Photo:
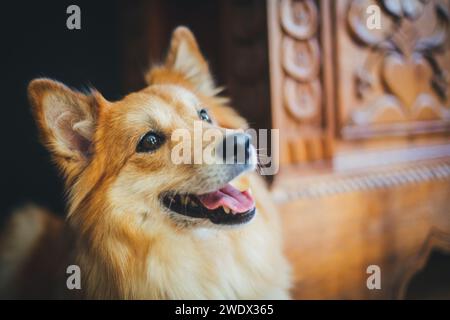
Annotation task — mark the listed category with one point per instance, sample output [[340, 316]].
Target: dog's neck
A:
[[119, 258]]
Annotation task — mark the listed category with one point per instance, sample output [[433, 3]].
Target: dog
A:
[[139, 226]]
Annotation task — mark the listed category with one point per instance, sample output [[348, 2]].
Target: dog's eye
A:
[[203, 114], [150, 142]]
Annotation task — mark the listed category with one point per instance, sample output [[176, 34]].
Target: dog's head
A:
[[145, 154]]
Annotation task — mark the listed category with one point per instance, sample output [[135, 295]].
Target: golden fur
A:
[[116, 231]]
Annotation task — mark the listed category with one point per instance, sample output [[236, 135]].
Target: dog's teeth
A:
[[193, 203], [227, 210], [233, 212]]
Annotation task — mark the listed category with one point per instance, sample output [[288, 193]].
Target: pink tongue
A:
[[229, 197]]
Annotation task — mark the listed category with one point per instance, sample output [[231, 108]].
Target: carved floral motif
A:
[[404, 62]]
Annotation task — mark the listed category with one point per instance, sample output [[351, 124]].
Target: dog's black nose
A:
[[236, 148]]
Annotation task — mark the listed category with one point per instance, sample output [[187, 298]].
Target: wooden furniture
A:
[[365, 167], [364, 119]]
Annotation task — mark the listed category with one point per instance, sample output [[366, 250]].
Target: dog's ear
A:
[[184, 58], [66, 120]]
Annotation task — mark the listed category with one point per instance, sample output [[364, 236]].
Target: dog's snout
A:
[[236, 148]]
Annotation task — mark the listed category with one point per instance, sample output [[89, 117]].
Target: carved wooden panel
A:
[[332, 239], [393, 80], [298, 79], [364, 119]]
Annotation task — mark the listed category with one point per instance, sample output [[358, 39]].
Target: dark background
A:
[[36, 43]]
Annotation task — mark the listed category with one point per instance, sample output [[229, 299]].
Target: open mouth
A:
[[227, 205]]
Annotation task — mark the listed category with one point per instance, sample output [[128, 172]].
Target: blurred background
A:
[[361, 101]]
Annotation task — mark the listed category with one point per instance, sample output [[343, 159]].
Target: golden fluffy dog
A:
[[140, 226]]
